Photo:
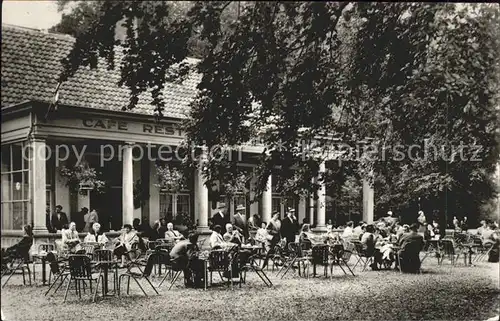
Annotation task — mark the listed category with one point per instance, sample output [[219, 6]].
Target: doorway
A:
[[109, 208]]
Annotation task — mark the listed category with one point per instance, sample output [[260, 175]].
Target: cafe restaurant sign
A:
[[164, 128]]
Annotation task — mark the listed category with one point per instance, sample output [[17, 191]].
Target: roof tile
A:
[[31, 66]]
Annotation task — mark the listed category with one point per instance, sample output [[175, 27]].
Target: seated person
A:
[[19, 250], [307, 236], [262, 237], [95, 235], [358, 230], [331, 236], [182, 259], [490, 237], [172, 234], [154, 232], [411, 244], [232, 235], [216, 239], [70, 238], [368, 241], [304, 236], [347, 234], [124, 243], [405, 229]]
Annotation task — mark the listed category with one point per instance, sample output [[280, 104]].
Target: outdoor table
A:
[[105, 265], [43, 258]]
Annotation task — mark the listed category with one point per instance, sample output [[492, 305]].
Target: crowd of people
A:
[[384, 240]]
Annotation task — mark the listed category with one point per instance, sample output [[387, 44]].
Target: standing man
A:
[[220, 218], [240, 221], [48, 224], [90, 220], [59, 219], [289, 226]]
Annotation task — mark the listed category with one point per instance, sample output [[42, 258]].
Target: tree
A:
[[319, 72]]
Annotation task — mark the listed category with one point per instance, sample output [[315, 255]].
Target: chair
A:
[[220, 261], [163, 251], [43, 247], [90, 247], [57, 269], [364, 258], [144, 273], [321, 256], [251, 265], [20, 262], [483, 251], [102, 259], [341, 254], [411, 251], [278, 257], [295, 255], [448, 250], [80, 270]]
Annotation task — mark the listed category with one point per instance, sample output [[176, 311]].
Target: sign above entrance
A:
[[166, 129]]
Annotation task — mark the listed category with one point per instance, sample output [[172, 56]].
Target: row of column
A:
[[202, 208]]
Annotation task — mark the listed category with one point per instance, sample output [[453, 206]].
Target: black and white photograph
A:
[[250, 160]]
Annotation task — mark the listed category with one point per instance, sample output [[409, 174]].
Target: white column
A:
[[154, 194], [302, 209], [62, 195], [201, 195], [38, 183], [321, 202], [267, 201], [128, 185], [311, 210], [254, 207], [136, 170], [368, 201]]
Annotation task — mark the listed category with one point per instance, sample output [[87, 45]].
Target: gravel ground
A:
[[439, 293]]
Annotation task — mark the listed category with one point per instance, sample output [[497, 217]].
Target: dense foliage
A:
[[297, 73]]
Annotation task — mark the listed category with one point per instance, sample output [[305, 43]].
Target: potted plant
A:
[[170, 178], [81, 178]]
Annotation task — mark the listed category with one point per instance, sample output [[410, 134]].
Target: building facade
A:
[[47, 126]]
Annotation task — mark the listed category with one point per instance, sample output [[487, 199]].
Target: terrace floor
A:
[[439, 293]]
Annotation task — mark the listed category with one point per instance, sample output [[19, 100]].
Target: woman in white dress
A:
[[124, 243], [95, 235]]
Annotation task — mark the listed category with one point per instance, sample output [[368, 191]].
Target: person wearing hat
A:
[[240, 221], [221, 218], [59, 219], [289, 226]]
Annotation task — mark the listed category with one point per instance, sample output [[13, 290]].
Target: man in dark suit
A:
[[289, 226], [411, 244], [221, 218], [59, 219], [240, 221]]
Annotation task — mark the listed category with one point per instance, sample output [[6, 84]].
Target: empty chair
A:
[[321, 256], [143, 272], [58, 269], [80, 270]]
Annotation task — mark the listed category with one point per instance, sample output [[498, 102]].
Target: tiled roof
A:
[[31, 66]]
